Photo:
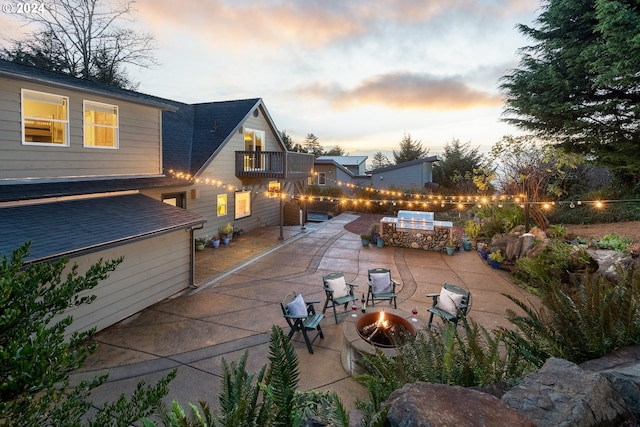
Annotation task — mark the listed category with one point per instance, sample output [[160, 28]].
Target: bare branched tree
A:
[[86, 39]]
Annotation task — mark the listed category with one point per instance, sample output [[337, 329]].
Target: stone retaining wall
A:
[[429, 240]]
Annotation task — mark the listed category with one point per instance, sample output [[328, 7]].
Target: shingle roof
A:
[[38, 75], [80, 226], [194, 133]]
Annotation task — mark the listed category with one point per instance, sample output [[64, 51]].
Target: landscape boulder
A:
[[426, 404], [563, 394], [622, 368]]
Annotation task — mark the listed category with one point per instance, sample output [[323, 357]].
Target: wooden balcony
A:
[[273, 164]]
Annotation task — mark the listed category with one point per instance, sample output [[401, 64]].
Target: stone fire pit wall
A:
[[421, 232]]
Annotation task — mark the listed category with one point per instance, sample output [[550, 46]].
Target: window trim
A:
[[65, 99], [219, 205], [324, 176], [239, 214], [95, 125]]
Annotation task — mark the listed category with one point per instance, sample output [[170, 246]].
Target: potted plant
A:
[[365, 238], [451, 246], [484, 251], [472, 231], [227, 232], [374, 233], [215, 241], [201, 242], [495, 259]]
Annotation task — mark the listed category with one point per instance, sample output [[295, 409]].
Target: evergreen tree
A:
[[409, 150], [312, 145], [336, 151], [578, 83], [379, 160], [455, 171]]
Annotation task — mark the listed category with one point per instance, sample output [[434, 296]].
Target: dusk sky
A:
[[358, 74]]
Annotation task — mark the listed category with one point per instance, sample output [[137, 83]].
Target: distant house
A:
[[74, 158], [234, 163], [354, 164], [416, 174]]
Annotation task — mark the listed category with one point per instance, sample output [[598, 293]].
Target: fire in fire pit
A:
[[384, 329]]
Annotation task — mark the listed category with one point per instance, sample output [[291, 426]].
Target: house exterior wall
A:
[[139, 151], [265, 211], [152, 270], [413, 176]]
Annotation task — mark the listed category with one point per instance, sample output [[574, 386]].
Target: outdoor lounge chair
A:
[[381, 286], [301, 316], [451, 304], [338, 292]]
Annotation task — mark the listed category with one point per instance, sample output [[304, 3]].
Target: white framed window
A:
[[100, 125], [243, 204], [222, 205], [45, 119], [322, 178]]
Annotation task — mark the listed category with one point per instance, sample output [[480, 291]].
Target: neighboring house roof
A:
[[38, 75], [405, 164], [194, 134], [345, 160], [105, 222], [326, 160]]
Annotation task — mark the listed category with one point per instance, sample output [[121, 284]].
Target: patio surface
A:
[[238, 300]]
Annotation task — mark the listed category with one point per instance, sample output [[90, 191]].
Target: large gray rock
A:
[[563, 394], [424, 404], [609, 260], [622, 368], [527, 242]]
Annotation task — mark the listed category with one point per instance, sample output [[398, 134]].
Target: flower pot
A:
[[451, 251], [494, 264], [200, 247], [365, 242], [225, 240], [466, 245], [216, 243], [484, 255], [380, 242], [374, 238]]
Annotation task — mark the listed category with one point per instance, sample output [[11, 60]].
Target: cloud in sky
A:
[[405, 90], [358, 74]]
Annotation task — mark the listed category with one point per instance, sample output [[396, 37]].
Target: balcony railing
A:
[[273, 164]]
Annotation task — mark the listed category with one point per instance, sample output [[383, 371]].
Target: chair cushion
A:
[[297, 307], [338, 286], [381, 282], [449, 301]]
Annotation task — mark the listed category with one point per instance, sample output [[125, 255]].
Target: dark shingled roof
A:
[[405, 164], [75, 227], [192, 135], [38, 75]]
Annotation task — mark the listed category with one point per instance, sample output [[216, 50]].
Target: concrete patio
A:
[[238, 300]]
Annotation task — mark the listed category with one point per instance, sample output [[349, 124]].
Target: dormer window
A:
[[100, 125], [45, 119]]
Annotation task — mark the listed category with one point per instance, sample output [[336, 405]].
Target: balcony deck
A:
[[273, 164]]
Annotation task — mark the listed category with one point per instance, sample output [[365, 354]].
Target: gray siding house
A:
[[231, 163], [75, 157], [415, 174]]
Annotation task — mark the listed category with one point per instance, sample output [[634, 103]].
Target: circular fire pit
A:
[[353, 344], [384, 329]]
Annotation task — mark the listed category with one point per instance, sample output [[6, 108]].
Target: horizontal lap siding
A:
[[139, 140], [152, 270]]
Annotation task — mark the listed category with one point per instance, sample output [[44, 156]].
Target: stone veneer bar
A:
[[416, 230]]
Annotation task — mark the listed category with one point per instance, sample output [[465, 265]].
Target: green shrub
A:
[[472, 357], [614, 242], [551, 265], [582, 319], [36, 355], [587, 213]]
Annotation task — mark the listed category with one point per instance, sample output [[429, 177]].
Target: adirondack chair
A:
[[338, 292], [381, 286], [301, 317], [451, 304]]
